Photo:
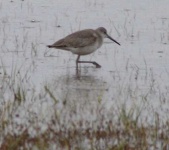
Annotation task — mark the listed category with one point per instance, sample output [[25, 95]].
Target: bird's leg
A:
[[92, 62], [77, 61]]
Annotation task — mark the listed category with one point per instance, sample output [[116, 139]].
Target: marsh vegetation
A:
[[122, 106]]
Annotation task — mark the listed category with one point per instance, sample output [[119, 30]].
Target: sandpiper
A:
[[83, 42]]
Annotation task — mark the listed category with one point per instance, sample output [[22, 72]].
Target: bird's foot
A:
[[92, 62], [96, 64]]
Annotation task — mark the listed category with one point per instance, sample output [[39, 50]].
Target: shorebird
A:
[[83, 42]]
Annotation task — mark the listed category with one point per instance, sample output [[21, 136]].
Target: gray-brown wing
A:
[[78, 39]]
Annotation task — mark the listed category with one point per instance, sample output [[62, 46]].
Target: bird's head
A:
[[103, 32]]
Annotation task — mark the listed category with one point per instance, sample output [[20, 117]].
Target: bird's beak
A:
[[112, 39]]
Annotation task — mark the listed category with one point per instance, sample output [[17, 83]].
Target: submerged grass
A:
[[68, 129], [110, 137], [74, 117], [44, 121]]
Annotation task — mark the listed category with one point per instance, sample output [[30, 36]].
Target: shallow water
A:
[[135, 73]]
